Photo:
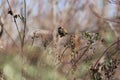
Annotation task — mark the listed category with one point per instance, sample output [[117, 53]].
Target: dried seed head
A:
[[16, 15], [10, 12], [72, 42]]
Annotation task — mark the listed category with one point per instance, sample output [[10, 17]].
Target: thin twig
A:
[[91, 6], [24, 30], [18, 30], [1, 24], [113, 29], [9, 5], [87, 47], [64, 51]]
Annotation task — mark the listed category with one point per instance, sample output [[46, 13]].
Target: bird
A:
[[62, 31]]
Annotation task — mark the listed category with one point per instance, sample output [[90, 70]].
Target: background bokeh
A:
[[101, 16]]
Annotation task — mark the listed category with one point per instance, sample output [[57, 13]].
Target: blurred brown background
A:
[[74, 15]]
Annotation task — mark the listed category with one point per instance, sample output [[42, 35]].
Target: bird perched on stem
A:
[[62, 31]]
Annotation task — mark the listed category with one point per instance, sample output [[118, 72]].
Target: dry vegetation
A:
[[59, 40]]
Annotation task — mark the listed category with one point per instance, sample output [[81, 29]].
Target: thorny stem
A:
[[105, 52], [60, 56], [87, 47], [64, 51], [82, 48]]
